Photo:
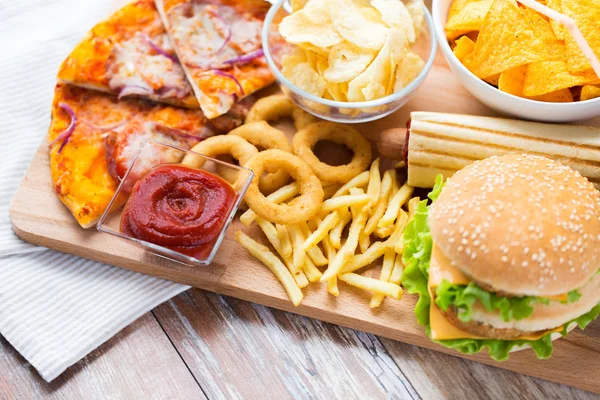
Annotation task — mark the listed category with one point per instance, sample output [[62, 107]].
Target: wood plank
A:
[[236, 349], [139, 362], [40, 218], [440, 376]]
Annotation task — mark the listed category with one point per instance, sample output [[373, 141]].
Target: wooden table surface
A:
[[202, 345]]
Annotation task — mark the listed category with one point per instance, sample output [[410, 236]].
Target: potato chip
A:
[[506, 40], [307, 79], [469, 18], [589, 92], [371, 14], [298, 4], [346, 62], [379, 70], [513, 82], [373, 90], [464, 47], [311, 24], [587, 15], [296, 56], [409, 68], [338, 91], [550, 76], [396, 15], [415, 9], [313, 59], [323, 52], [351, 25]]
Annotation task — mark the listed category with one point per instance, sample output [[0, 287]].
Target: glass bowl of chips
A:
[[384, 90], [555, 87]]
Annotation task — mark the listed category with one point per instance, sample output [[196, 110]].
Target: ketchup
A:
[[179, 208]]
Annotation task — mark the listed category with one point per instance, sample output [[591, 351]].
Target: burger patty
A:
[[482, 329]]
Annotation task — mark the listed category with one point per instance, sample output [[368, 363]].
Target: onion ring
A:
[[214, 146], [261, 134], [279, 106], [305, 140], [301, 208]]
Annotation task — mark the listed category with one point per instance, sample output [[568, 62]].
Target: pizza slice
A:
[[130, 54], [93, 138], [219, 45]]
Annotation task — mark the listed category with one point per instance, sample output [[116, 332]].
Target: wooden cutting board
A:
[[40, 218]]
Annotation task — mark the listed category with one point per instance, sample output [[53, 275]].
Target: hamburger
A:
[[506, 256]]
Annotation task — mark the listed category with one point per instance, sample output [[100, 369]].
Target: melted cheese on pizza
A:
[[80, 171], [117, 56], [209, 38]]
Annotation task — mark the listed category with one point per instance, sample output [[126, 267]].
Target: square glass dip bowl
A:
[[351, 112], [153, 154]]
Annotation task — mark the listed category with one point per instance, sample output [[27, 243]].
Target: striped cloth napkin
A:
[[54, 308]]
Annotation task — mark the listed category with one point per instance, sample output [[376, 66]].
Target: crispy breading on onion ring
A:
[[299, 209], [215, 146], [305, 140], [278, 106], [261, 134]]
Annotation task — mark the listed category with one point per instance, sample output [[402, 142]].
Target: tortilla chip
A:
[[550, 76], [513, 82], [587, 15], [464, 47], [456, 6], [589, 92], [470, 18], [559, 30], [493, 80], [506, 40], [542, 26]]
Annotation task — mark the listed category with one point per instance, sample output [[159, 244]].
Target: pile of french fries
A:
[[358, 223]]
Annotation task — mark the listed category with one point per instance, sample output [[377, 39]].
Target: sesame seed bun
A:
[[520, 224], [544, 317]]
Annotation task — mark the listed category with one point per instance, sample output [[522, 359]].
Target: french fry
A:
[[359, 180], [400, 165], [263, 254], [377, 250], [270, 232], [297, 246], [374, 182], [395, 239], [372, 285], [396, 277], [412, 206], [343, 201], [311, 271], [394, 206], [383, 233], [364, 241], [379, 208], [315, 253], [284, 238], [322, 230], [282, 194], [348, 249], [332, 286], [386, 272], [335, 235]]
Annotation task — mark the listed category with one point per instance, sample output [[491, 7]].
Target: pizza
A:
[[219, 45], [94, 137], [130, 54]]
